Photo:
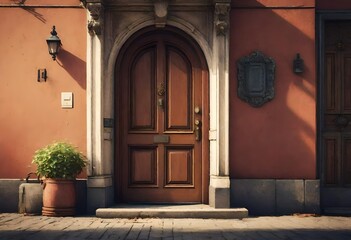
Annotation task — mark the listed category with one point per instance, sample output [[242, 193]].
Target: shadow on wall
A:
[[75, 66], [278, 139], [30, 10]]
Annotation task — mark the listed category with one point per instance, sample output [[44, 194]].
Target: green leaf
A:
[[59, 160]]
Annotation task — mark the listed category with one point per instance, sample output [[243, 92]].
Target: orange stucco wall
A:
[[30, 112], [277, 140], [273, 3]]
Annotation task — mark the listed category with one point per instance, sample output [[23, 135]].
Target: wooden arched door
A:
[[162, 119]]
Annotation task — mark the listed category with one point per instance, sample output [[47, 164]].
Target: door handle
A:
[[161, 90], [161, 103], [197, 130]]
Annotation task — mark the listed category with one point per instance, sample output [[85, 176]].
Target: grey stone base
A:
[[30, 198], [10, 193], [219, 197], [100, 192], [275, 196], [219, 191], [99, 197]]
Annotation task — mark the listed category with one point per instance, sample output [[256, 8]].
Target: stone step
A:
[[170, 211]]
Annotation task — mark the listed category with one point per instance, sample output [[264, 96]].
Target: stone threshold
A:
[[170, 211]]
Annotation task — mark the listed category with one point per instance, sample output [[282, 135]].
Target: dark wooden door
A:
[[336, 126], [162, 104]]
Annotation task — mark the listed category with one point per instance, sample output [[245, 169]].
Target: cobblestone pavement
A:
[[301, 227]]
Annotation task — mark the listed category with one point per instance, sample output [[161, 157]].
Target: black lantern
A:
[[54, 43], [298, 65]]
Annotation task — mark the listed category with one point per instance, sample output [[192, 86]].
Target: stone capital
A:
[[222, 18], [96, 17]]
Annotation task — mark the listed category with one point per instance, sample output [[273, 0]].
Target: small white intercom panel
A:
[[66, 100]]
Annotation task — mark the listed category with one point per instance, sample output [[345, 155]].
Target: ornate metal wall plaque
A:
[[256, 79]]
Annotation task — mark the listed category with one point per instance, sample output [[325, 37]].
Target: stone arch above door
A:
[[110, 24], [189, 29]]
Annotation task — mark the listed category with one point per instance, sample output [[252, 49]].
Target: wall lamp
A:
[[54, 43], [298, 65]]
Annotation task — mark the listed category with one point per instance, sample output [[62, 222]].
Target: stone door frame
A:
[[110, 24]]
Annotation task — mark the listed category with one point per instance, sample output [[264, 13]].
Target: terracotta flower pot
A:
[[59, 197]]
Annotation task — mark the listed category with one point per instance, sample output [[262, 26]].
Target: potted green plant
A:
[[59, 164]]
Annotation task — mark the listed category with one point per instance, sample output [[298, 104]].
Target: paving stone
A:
[[305, 227], [145, 232]]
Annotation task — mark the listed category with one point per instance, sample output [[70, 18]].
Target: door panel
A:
[[142, 166], [331, 90], [179, 81], [332, 159], [142, 92], [179, 166], [346, 167], [160, 80], [347, 83]]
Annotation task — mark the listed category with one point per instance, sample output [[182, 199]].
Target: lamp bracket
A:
[[42, 75]]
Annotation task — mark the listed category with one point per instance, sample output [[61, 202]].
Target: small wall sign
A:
[[66, 100], [256, 79]]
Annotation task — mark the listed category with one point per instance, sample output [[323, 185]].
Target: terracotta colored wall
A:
[[277, 140], [273, 3], [30, 112]]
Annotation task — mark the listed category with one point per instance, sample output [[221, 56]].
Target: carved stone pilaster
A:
[[219, 190], [96, 21], [222, 18], [161, 12]]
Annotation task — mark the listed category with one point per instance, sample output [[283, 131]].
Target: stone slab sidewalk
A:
[[301, 227]]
